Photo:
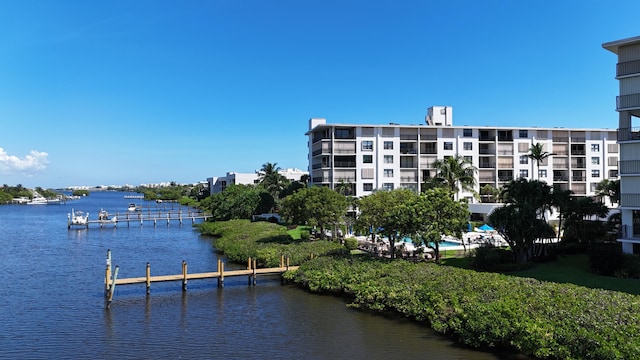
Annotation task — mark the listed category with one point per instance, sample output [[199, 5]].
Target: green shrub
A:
[[541, 319], [305, 235], [351, 243]]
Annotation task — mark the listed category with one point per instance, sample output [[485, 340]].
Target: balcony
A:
[[629, 200], [408, 179], [345, 164], [320, 179], [627, 134], [505, 178], [628, 68], [560, 178], [559, 139], [629, 232], [627, 102], [628, 167]]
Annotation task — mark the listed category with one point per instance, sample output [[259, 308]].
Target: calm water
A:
[[52, 300]]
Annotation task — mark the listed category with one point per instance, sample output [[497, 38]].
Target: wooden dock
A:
[[155, 216], [111, 279]]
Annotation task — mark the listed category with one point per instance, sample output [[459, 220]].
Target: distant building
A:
[[628, 108], [218, 184], [391, 156]]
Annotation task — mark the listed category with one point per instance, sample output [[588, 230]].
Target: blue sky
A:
[[132, 92]]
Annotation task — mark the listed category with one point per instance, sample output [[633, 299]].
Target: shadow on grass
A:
[[279, 239], [570, 269]]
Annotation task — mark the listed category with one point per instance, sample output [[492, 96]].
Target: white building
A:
[[371, 157], [628, 107], [218, 184]]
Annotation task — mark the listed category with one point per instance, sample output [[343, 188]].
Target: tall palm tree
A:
[[537, 153], [269, 178], [456, 173]]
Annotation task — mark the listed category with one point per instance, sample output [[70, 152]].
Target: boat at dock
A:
[[78, 218], [133, 207]]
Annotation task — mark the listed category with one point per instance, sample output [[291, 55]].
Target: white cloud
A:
[[35, 161]]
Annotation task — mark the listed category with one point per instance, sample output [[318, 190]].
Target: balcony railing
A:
[[626, 134], [345, 164], [321, 179], [627, 167], [578, 178], [577, 139], [630, 101], [558, 139], [560, 178], [409, 179], [428, 137], [409, 137], [578, 152], [408, 151], [628, 68], [629, 232], [629, 200], [486, 166], [505, 178]]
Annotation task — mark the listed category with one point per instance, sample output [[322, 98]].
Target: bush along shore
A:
[[479, 309]]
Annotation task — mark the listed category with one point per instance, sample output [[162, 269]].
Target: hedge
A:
[[542, 319], [264, 241]]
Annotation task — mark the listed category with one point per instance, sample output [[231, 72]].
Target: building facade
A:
[[628, 108], [218, 184], [372, 157]]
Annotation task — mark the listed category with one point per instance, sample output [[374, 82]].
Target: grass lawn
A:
[[573, 269]]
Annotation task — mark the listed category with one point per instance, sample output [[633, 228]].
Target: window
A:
[[595, 173], [448, 145], [523, 133], [524, 159], [367, 159], [388, 159], [367, 173], [595, 147], [467, 132], [542, 173], [468, 159], [467, 145], [613, 174], [524, 173], [388, 145], [367, 186], [387, 186], [523, 147], [388, 173], [367, 145], [595, 160]]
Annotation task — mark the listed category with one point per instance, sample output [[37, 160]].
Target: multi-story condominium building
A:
[[371, 157], [219, 183], [628, 107]]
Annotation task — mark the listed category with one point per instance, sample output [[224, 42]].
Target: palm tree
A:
[[456, 173], [537, 153], [270, 179]]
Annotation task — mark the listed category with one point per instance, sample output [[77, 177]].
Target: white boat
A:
[[78, 218], [133, 207], [38, 200], [103, 215]]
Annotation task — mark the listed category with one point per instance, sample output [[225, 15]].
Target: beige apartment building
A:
[[390, 156]]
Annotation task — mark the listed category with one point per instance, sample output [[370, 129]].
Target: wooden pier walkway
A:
[[148, 215], [111, 279]]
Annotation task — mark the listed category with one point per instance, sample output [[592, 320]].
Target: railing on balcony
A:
[[346, 179], [408, 179], [560, 178], [578, 165], [486, 152], [626, 134], [578, 152], [486, 138], [578, 139], [408, 137], [578, 178], [321, 179], [558, 139], [628, 68], [505, 178], [630, 101], [408, 151], [428, 137], [487, 178], [627, 167], [629, 200], [629, 232], [345, 164], [486, 165], [505, 152]]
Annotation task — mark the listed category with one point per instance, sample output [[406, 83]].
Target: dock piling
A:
[[148, 279]]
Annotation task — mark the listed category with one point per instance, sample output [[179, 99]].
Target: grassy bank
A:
[[263, 241], [544, 319]]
